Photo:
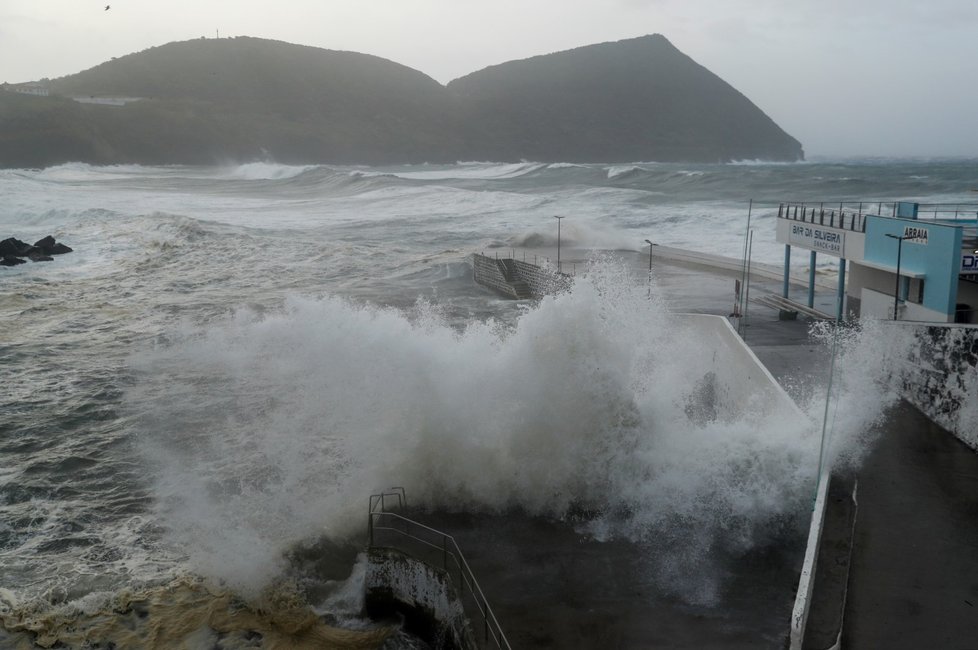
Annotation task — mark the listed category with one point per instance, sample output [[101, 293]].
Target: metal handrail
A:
[[380, 520], [835, 214], [832, 217]]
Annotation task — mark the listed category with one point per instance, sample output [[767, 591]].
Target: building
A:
[[920, 261], [30, 88]]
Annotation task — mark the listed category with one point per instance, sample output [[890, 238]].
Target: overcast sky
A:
[[845, 77]]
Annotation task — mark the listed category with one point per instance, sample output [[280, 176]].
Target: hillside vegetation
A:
[[214, 100]]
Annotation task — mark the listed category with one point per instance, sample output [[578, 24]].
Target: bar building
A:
[[920, 261]]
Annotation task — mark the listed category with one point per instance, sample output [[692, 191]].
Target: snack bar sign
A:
[[817, 238]]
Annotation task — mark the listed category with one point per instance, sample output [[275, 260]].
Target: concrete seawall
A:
[[517, 279], [397, 584], [940, 376]]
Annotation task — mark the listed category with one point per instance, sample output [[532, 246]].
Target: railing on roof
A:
[[854, 219], [851, 215], [391, 530], [948, 211]]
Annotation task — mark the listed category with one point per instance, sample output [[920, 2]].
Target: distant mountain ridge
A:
[[213, 100]]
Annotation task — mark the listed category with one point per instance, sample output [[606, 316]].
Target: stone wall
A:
[[396, 583], [486, 272], [941, 378], [542, 281]]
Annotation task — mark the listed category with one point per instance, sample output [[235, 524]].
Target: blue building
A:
[[920, 261]]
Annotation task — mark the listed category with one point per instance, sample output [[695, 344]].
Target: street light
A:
[[896, 291], [558, 242], [650, 267]]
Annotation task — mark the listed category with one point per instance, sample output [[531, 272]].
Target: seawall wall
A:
[[940, 376], [396, 583], [541, 280], [486, 272], [526, 280], [738, 381]]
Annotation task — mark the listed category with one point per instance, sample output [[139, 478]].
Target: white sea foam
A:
[[622, 170], [84, 172], [470, 171], [266, 171]]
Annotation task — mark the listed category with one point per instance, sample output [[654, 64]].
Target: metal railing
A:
[[436, 548], [854, 219], [851, 215]]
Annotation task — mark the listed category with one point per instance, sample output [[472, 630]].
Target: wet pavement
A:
[[914, 577]]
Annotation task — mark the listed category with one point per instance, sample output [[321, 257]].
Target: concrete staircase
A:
[[520, 288]]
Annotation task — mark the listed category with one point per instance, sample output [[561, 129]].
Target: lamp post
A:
[[896, 291], [650, 267], [558, 242]]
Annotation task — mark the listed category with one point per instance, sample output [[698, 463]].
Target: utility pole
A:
[[558, 241], [649, 242]]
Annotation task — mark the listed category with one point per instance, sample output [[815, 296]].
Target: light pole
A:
[[650, 267], [558, 242], [896, 291]]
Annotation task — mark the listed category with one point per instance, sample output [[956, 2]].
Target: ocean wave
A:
[[465, 171], [621, 172], [269, 429], [83, 171], [267, 171]]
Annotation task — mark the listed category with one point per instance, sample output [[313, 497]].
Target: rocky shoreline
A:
[[14, 252]]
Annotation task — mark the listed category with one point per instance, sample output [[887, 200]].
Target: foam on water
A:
[[266, 171], [466, 171]]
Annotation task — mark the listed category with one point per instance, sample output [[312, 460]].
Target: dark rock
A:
[[49, 246], [14, 247], [45, 243], [11, 250]]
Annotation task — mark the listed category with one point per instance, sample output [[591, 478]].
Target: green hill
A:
[[638, 99], [213, 100]]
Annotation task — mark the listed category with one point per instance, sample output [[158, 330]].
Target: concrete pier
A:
[[517, 278]]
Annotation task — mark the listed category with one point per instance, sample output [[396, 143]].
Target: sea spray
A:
[[864, 386], [262, 431]]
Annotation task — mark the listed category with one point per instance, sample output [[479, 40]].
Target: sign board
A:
[[915, 235], [817, 238], [969, 262]]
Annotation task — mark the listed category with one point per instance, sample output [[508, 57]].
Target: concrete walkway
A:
[[913, 571], [914, 577]]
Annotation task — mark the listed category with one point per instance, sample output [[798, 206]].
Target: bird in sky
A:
[[107, 7]]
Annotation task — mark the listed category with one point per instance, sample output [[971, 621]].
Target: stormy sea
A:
[[196, 403]]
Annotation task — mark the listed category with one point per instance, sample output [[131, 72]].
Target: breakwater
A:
[[517, 279]]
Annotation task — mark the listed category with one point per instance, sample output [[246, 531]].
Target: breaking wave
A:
[[263, 431]]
